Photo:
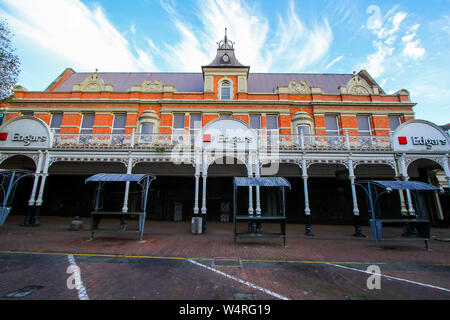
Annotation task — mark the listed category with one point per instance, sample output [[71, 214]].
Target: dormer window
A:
[[225, 90]]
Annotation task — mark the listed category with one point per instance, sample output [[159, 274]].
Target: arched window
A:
[[148, 126], [225, 90], [302, 123]]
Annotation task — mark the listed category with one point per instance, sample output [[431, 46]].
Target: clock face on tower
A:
[[225, 58]]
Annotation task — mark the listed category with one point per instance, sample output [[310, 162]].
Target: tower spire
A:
[[225, 43]]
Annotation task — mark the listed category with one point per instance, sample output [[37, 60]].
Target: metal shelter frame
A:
[[370, 188], [279, 182], [144, 180], [8, 186]]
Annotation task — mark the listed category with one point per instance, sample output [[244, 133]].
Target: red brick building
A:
[[322, 131]]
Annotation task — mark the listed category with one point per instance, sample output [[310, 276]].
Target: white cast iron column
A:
[[404, 211], [250, 188], [404, 172], [127, 185], [197, 183], [308, 230], [32, 200], [351, 176], [44, 175], [258, 196], [204, 175]]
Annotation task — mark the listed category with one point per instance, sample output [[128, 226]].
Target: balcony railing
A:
[[281, 142]]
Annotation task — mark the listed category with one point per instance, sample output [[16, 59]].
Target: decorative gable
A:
[[152, 86], [148, 86], [93, 83], [295, 87], [359, 87], [301, 88]]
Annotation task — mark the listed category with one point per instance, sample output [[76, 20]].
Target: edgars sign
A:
[[227, 134], [420, 135], [25, 132]]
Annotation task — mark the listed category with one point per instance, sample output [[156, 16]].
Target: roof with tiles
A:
[[193, 82]]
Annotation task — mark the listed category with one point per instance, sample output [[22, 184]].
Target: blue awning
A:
[[402, 185], [116, 177], [261, 182]]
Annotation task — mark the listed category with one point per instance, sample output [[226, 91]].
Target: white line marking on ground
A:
[[251, 285], [82, 294], [394, 278]]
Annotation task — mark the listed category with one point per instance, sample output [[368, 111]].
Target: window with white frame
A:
[[147, 128], [272, 122], [306, 131], [394, 122], [272, 129], [178, 127], [303, 128], [55, 123], [303, 123], [87, 123], [146, 132], [364, 128], [195, 125], [120, 120], [332, 129], [148, 125], [225, 90], [255, 121], [332, 125]]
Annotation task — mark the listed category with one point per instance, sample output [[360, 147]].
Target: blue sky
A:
[[402, 44]]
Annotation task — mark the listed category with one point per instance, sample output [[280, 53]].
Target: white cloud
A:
[[408, 37], [445, 24], [334, 61], [413, 50], [389, 51], [196, 48], [84, 36], [375, 64], [299, 46], [293, 47]]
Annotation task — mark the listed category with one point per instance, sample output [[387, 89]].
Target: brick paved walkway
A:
[[117, 266]]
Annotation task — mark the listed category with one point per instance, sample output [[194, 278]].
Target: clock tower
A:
[[225, 70]]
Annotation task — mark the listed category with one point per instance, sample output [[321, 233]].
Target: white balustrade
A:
[[271, 141]]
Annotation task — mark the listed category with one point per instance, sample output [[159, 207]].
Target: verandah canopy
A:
[[144, 180], [420, 223], [116, 177], [261, 182], [370, 188], [257, 219], [401, 185]]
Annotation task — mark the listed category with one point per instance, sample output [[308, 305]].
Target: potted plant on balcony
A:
[[160, 148]]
